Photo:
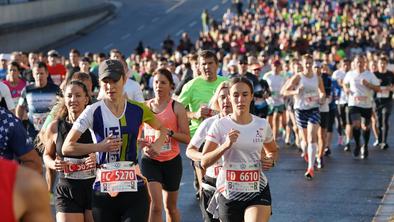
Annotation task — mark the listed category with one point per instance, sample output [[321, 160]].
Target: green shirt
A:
[[198, 92]]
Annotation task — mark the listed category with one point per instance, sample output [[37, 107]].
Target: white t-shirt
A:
[[360, 95], [243, 159], [275, 83], [6, 95], [199, 138], [339, 75]]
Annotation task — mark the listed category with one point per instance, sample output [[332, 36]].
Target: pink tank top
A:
[[171, 147]]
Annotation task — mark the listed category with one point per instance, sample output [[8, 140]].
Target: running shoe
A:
[[309, 174], [347, 147], [376, 143], [384, 146], [364, 152], [356, 152], [327, 151], [340, 140], [319, 162]]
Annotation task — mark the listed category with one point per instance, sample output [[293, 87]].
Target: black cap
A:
[[53, 53], [112, 69]]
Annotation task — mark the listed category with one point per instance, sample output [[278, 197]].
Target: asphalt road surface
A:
[[345, 190]]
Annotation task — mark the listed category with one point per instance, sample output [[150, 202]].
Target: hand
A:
[[150, 151], [110, 144], [300, 90], [60, 164], [204, 112], [322, 100], [365, 82], [91, 160], [267, 163], [231, 137]]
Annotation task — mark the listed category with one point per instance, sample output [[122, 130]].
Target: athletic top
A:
[[168, 118], [13, 136], [16, 91], [195, 93], [39, 102], [360, 95], [5, 97], [275, 83], [309, 97], [57, 73], [327, 83], [8, 170], [63, 128], [386, 81], [101, 122], [339, 75], [241, 177], [199, 138]]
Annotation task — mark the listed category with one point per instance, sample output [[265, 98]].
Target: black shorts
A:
[[73, 196], [168, 173], [233, 210], [126, 206], [359, 113], [324, 118]]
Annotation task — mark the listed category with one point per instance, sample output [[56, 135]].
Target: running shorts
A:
[[276, 109], [73, 196], [303, 117], [358, 113]]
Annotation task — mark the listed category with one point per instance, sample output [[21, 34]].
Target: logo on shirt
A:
[[259, 136]]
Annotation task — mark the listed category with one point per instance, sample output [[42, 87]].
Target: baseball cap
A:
[[112, 69], [232, 63], [53, 53]]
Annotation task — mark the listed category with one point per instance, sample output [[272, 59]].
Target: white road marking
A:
[[126, 36], [140, 28], [192, 24], [175, 6], [179, 32], [108, 46], [216, 7], [224, 2]]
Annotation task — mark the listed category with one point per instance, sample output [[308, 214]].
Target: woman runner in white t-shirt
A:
[[246, 146]]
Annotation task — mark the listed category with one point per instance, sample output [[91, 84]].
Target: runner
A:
[[360, 85], [14, 82], [383, 101], [6, 98], [308, 91], [220, 102], [56, 70], [276, 104], [164, 172], [19, 201], [246, 146], [114, 123], [76, 173]]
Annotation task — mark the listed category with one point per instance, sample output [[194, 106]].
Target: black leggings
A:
[[342, 117], [383, 112]]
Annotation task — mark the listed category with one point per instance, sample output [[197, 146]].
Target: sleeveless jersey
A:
[[309, 97], [168, 118], [8, 170]]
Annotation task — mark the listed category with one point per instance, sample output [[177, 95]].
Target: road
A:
[[345, 190], [149, 21]]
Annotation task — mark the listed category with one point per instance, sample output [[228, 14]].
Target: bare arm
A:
[[31, 199], [289, 88], [183, 134], [20, 112], [193, 153], [321, 88], [31, 160], [49, 156]]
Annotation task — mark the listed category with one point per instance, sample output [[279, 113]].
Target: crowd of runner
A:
[[268, 76]]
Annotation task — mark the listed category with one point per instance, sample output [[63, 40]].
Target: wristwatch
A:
[[170, 133]]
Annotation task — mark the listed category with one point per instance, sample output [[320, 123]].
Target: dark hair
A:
[[242, 80], [85, 59], [40, 65], [208, 54], [63, 112], [115, 51], [75, 51], [167, 74], [102, 55], [16, 64], [81, 76]]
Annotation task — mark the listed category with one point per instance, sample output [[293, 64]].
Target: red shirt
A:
[[8, 171], [57, 73]]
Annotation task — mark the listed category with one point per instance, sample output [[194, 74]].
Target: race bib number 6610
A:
[[243, 178]]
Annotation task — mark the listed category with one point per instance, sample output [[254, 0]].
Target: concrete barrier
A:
[[44, 22]]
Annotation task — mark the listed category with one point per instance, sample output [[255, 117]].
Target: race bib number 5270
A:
[[118, 177]]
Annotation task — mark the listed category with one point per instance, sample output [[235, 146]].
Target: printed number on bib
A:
[[360, 100], [311, 98], [78, 170], [38, 120], [242, 177], [118, 177], [384, 93]]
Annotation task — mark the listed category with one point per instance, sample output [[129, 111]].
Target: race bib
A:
[[38, 120], [361, 100], [384, 93], [311, 99], [78, 170], [213, 171], [242, 177], [118, 177], [151, 135]]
